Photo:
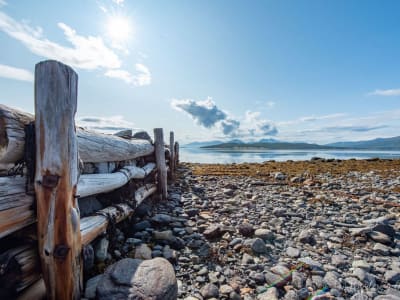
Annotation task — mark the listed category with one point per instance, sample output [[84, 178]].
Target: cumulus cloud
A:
[[86, 52], [207, 114], [15, 73], [230, 127], [104, 124], [256, 126], [143, 76], [390, 92]]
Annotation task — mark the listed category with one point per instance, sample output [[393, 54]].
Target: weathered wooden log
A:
[[160, 161], [97, 147], [56, 179], [19, 268], [176, 150], [16, 207], [12, 134], [125, 134], [92, 184], [93, 147], [36, 291], [172, 156]]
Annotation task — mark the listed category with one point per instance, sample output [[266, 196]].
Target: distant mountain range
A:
[[272, 144]]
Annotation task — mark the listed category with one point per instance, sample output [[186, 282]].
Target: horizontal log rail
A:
[[50, 145], [92, 147], [91, 184]]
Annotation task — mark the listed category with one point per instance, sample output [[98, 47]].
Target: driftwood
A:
[[93, 147], [16, 207], [56, 180], [36, 291], [160, 160], [19, 268], [92, 184], [172, 156], [93, 226]]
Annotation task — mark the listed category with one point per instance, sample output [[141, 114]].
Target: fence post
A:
[[176, 153], [172, 156], [160, 161], [56, 179]]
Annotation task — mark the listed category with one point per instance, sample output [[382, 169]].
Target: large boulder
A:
[[138, 279]]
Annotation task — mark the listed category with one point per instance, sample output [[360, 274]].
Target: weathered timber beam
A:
[[16, 207], [35, 291], [160, 160], [56, 180], [93, 226], [172, 156], [91, 184], [93, 147]]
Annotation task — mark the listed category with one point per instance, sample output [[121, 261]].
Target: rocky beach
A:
[[319, 229]]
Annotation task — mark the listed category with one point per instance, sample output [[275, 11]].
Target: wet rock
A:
[[138, 279]]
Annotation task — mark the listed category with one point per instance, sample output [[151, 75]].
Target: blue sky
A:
[[316, 71]]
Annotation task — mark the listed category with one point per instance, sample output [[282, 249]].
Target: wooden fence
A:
[[51, 167]]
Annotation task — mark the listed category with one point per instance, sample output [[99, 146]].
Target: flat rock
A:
[[137, 279], [270, 294], [213, 231]]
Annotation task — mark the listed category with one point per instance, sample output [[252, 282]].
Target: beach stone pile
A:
[[236, 237]]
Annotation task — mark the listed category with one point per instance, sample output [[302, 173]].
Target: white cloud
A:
[[3, 3], [104, 124], [390, 92], [143, 77], [324, 117], [208, 115], [103, 9], [87, 52], [15, 73], [270, 104], [118, 2]]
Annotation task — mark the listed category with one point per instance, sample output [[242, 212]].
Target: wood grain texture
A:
[[172, 156], [91, 184], [56, 179], [159, 150], [12, 134], [16, 207], [93, 147]]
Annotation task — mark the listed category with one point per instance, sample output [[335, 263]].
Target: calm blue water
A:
[[197, 155]]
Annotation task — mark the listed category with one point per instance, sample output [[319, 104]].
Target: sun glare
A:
[[119, 29]]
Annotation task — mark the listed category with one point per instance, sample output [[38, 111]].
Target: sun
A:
[[119, 29]]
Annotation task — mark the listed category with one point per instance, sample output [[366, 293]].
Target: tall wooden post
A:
[[176, 153], [56, 179], [172, 156], [159, 151]]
